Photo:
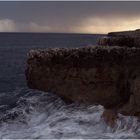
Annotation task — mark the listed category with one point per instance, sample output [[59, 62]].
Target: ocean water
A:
[[27, 113]]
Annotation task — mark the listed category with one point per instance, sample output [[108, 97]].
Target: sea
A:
[[31, 114]]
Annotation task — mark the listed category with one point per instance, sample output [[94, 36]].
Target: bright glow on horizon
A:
[[90, 25], [105, 25]]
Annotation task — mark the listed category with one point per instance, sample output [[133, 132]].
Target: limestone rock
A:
[[125, 39], [94, 75], [110, 117]]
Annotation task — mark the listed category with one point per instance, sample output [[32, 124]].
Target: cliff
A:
[[109, 76], [124, 39]]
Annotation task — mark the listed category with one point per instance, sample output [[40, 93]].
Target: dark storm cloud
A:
[[67, 16]]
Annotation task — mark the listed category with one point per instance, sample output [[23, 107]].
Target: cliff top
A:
[[86, 57], [135, 33]]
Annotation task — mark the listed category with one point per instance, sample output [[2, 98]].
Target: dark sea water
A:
[[26, 113]]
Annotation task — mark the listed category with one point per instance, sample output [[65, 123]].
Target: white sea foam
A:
[[43, 115]]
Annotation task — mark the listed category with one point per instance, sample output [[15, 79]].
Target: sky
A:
[[69, 16]]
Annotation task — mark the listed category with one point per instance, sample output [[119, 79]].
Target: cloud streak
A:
[[7, 25]]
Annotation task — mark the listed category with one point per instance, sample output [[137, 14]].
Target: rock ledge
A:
[[109, 76]]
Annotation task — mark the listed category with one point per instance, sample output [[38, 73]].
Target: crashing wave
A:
[[41, 115]]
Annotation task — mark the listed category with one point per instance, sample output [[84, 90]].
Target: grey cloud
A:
[[67, 16]]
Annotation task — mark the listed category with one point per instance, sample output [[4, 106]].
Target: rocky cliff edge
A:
[[104, 75]]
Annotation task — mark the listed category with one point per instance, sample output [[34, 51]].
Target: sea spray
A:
[[44, 115]]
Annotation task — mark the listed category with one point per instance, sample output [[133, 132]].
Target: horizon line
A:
[[57, 33]]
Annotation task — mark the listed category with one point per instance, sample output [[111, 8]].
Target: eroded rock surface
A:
[[94, 75], [110, 117]]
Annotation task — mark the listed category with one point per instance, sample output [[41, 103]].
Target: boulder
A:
[[110, 117]]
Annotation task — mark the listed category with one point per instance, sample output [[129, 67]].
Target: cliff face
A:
[[95, 75]]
